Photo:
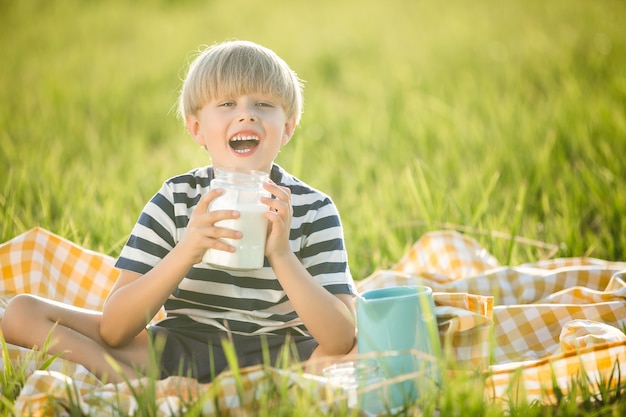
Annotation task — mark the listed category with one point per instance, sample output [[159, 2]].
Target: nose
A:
[[248, 114]]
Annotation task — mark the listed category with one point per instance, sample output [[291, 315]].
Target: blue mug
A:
[[398, 325]]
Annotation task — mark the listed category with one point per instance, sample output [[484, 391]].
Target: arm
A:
[[136, 298], [330, 319]]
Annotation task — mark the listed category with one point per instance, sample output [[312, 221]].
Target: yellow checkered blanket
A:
[[554, 318]]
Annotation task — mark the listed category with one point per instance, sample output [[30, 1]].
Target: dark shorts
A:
[[198, 351]]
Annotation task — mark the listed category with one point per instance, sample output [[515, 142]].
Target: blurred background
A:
[[490, 117]]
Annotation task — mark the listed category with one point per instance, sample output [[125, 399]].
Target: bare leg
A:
[[74, 332]]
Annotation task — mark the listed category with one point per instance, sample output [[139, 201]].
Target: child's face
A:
[[244, 132]]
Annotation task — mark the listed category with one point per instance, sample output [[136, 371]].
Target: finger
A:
[[275, 205], [280, 192], [205, 200], [222, 239], [221, 245], [217, 229]]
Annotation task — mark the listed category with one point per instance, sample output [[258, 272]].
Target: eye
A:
[[226, 104], [264, 104]]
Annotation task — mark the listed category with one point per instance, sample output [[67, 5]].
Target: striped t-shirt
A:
[[244, 302]]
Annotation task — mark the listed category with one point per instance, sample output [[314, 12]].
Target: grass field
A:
[[494, 116]]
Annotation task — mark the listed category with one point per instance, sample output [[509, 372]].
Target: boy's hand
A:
[[279, 217], [202, 234]]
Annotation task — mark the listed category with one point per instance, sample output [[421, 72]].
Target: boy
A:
[[242, 103]]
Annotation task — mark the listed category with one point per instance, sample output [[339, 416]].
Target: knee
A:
[[15, 319]]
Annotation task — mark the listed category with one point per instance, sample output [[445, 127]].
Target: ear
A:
[[290, 128], [193, 127]]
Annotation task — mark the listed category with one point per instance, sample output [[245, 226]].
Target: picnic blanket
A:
[[522, 325]]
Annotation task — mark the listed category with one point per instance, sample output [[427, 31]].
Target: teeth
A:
[[248, 142], [242, 138]]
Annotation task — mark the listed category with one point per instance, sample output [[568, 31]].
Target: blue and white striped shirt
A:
[[244, 302]]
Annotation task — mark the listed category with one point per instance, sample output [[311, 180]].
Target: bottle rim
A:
[[241, 177]]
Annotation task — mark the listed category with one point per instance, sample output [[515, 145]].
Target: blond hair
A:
[[235, 68]]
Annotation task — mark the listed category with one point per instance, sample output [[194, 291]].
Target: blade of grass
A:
[[420, 190], [517, 221], [485, 200]]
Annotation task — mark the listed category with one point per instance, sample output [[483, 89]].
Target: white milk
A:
[[250, 249]]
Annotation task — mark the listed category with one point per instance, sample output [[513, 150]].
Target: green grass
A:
[[275, 394], [505, 116]]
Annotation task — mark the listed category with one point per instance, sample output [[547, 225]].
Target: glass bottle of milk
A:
[[242, 192]]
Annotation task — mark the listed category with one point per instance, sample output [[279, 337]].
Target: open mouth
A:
[[244, 144]]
